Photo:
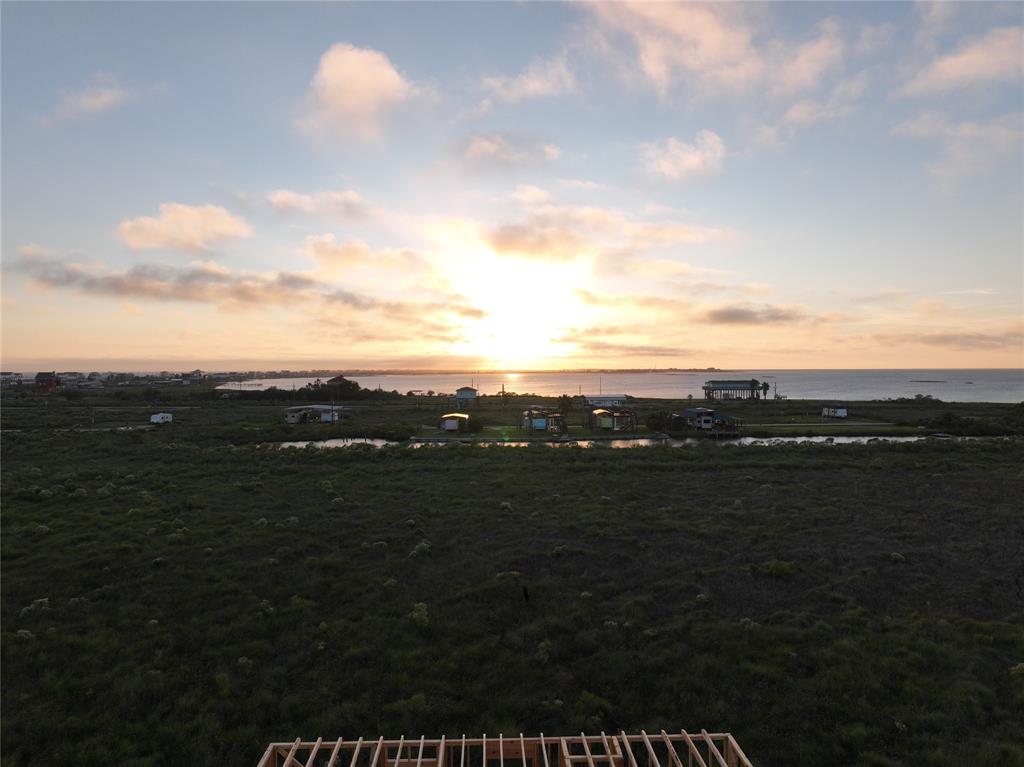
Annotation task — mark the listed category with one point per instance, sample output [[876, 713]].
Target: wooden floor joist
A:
[[661, 749]]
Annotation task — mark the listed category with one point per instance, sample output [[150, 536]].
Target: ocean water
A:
[[1005, 385]]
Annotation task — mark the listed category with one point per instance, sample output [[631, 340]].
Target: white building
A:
[[161, 418], [313, 414], [605, 400], [465, 395], [833, 412]]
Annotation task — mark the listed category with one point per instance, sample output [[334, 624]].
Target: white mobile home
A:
[[161, 418], [605, 400]]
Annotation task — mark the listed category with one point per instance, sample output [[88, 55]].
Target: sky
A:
[[512, 185]]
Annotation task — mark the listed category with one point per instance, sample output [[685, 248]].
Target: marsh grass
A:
[[170, 599]]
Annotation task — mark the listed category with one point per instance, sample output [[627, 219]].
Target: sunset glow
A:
[[787, 186]]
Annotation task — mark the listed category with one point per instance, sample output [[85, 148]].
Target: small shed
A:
[[544, 419], [612, 420], [455, 422], [833, 412], [161, 418]]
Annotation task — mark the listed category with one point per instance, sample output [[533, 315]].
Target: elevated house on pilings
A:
[[544, 419], [662, 749], [706, 420], [741, 389], [613, 420]]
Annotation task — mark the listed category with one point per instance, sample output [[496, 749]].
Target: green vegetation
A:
[[182, 594]]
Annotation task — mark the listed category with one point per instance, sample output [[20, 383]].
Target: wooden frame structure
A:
[[662, 749]]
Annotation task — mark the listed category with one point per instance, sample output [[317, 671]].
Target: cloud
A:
[[713, 48], [841, 101], [352, 91], [537, 240], [966, 148], [804, 68], [993, 57], [966, 341], [211, 283], [502, 150], [554, 231], [883, 296], [676, 160], [102, 95], [331, 254], [346, 203], [531, 195], [610, 349], [710, 44], [182, 227], [543, 78], [749, 314], [874, 37], [970, 292]]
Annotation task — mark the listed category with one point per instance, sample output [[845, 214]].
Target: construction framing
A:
[[663, 749]]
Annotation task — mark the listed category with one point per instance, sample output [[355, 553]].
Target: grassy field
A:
[[208, 416], [171, 598]]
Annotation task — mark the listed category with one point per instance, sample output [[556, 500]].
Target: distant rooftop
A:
[[661, 749]]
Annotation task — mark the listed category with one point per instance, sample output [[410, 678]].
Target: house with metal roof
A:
[[735, 389]]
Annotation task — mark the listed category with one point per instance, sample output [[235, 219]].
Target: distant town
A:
[[46, 381]]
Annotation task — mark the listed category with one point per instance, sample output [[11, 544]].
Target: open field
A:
[[209, 416], [169, 598]]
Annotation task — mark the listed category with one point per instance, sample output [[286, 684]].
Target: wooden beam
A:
[[334, 754], [398, 756], [441, 753], [355, 753], [419, 757], [586, 750], [694, 751], [739, 751], [462, 761], [713, 749], [522, 750], [265, 760], [544, 750], [671, 750], [650, 749], [376, 753], [607, 749], [291, 754], [312, 753], [629, 751], [565, 752]]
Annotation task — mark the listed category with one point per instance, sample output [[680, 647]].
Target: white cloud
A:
[[352, 90], [807, 65], [531, 195], [840, 102], [182, 227], [324, 203], [966, 148], [328, 251], [99, 96], [676, 160], [676, 41], [499, 149], [542, 78], [994, 57]]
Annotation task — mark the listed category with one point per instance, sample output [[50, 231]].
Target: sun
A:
[[531, 306]]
